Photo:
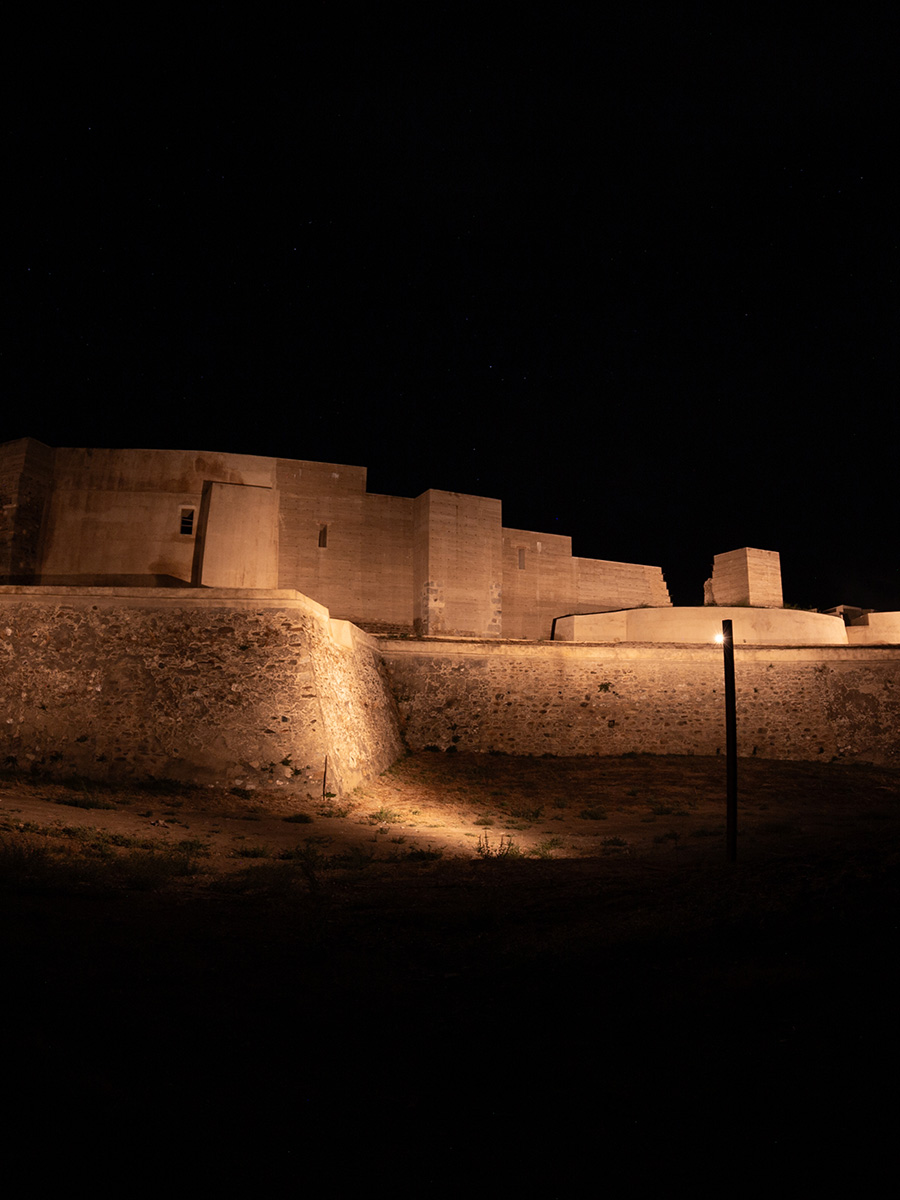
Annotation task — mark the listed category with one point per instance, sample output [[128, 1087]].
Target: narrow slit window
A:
[[521, 560], [323, 536], [187, 521]]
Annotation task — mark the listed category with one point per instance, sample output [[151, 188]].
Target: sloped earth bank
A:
[[477, 972]]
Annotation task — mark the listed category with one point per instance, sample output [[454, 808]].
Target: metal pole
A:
[[730, 744]]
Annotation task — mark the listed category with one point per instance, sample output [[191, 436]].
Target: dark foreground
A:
[[575, 1025]]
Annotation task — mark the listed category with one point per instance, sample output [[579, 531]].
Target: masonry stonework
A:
[[218, 688], [804, 703], [156, 621], [261, 690]]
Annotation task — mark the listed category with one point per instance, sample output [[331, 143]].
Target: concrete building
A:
[[439, 564]]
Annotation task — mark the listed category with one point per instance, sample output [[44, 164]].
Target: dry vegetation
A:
[[655, 812]]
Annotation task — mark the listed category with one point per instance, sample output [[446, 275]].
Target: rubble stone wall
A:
[[259, 689], [792, 703], [205, 687]]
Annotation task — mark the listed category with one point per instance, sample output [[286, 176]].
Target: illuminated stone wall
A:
[[803, 703], [874, 629], [237, 537], [539, 572], [759, 626], [458, 565], [212, 687], [114, 516], [257, 690], [349, 549], [745, 576], [439, 564]]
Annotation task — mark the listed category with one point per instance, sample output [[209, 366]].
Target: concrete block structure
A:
[[751, 627], [440, 564], [745, 577]]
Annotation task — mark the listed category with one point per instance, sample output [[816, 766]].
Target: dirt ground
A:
[[482, 969], [656, 812]]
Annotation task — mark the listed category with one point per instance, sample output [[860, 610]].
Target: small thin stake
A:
[[324, 776], [730, 744]]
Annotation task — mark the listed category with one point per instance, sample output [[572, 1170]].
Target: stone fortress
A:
[[439, 564], [233, 618]]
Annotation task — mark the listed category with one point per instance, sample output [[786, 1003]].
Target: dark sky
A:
[[634, 275]]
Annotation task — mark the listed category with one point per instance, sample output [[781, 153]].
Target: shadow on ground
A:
[[386, 997]]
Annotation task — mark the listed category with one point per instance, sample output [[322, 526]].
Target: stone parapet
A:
[[752, 626]]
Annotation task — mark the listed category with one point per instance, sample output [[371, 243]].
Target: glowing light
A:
[[720, 638]]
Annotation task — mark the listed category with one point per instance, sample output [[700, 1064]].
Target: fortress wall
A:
[[212, 687], [602, 584], [538, 577], [386, 550], [364, 572], [552, 582], [458, 564], [90, 535], [156, 470], [256, 689], [792, 703], [874, 629], [118, 512], [439, 564], [313, 479], [238, 528], [26, 477], [331, 572]]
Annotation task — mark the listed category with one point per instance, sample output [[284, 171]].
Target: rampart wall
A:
[[212, 687], [818, 702], [761, 626], [440, 564], [257, 689]]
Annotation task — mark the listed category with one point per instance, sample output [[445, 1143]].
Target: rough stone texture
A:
[[745, 576], [258, 689], [207, 687], [822, 703]]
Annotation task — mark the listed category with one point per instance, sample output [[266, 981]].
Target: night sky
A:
[[634, 275]]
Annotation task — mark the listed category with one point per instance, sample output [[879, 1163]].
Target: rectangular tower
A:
[[745, 577], [458, 565]]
